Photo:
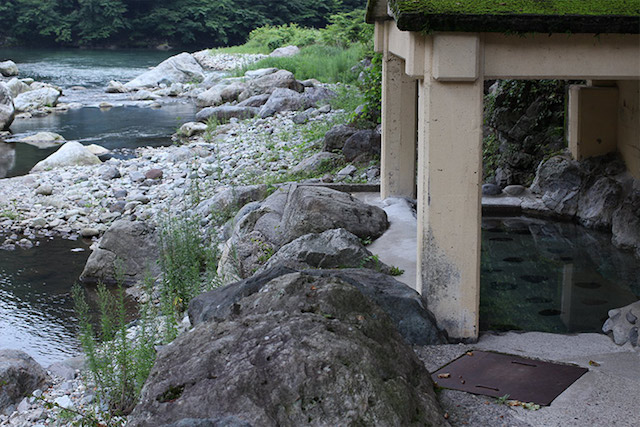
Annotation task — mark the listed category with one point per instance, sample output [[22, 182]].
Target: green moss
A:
[[517, 7]]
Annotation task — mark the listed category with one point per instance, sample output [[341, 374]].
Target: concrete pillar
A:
[[629, 124], [399, 129], [593, 121], [449, 185]]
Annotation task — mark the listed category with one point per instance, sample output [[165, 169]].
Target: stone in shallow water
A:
[[490, 190]]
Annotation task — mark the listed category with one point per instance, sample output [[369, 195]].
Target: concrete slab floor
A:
[[397, 246], [607, 395]]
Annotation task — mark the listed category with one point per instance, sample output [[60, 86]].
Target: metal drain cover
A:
[[497, 375]]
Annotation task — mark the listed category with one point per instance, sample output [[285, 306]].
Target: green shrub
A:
[[118, 364], [269, 37], [188, 267], [329, 64], [348, 28]]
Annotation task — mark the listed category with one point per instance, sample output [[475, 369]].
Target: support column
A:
[[449, 182], [399, 129], [593, 121]]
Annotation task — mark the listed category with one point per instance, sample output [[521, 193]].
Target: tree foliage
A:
[[148, 22]]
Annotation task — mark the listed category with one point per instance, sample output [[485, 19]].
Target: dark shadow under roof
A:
[[517, 16]]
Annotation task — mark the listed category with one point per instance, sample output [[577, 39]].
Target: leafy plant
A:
[[118, 363], [188, 267], [396, 271]]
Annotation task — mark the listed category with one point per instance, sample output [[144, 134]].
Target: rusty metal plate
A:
[[497, 375]]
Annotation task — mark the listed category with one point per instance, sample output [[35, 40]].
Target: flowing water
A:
[[548, 276], [83, 75]]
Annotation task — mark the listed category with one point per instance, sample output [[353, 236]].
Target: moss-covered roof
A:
[[548, 16]]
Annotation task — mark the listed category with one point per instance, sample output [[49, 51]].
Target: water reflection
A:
[[566, 279], [7, 158]]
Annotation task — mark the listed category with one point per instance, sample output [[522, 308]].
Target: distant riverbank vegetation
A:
[[144, 23]]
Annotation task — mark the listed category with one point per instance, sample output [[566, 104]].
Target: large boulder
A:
[[231, 199], [336, 137], [318, 95], [8, 68], [19, 376], [129, 246], [291, 212], [36, 99], [302, 351], [362, 145], [285, 51], [330, 249], [225, 112], [558, 181], [623, 324], [316, 209], [71, 153], [403, 304], [626, 224], [319, 162], [283, 99], [7, 109], [43, 139], [17, 87], [181, 68], [269, 82], [598, 203]]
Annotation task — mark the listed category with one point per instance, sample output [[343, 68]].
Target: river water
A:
[[83, 75], [36, 309]]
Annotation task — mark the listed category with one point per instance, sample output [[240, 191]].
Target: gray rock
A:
[[301, 118], [8, 68], [36, 99], [335, 139], [514, 190], [623, 325], [62, 370], [192, 128], [330, 249], [318, 163], [316, 209], [182, 68], [283, 99], [362, 145], [231, 199], [318, 94], [302, 351], [43, 139], [626, 224], [70, 154], [347, 171], [598, 203], [64, 402], [109, 172], [226, 112], [403, 304], [116, 87], [87, 233], [16, 87], [136, 176], [210, 97], [154, 173], [490, 190], [133, 245], [260, 72], [285, 51], [558, 181], [209, 422], [255, 101], [7, 109], [289, 213], [44, 190], [19, 376], [144, 95], [270, 82]]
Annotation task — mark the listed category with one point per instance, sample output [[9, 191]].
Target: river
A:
[[83, 75]]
